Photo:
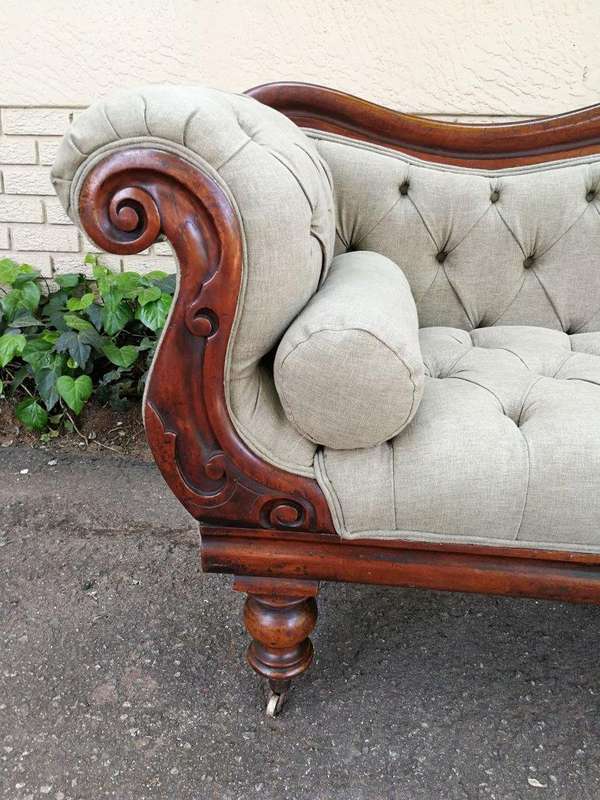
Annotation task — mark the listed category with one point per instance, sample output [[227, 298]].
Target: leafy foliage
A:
[[84, 337]]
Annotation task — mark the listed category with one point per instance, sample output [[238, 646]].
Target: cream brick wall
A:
[[33, 226], [455, 58]]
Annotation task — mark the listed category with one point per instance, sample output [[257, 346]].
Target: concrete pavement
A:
[[122, 674]]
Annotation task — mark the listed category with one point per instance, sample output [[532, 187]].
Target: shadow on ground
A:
[[121, 669]]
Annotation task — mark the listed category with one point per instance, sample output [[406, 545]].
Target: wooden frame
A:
[[270, 528]]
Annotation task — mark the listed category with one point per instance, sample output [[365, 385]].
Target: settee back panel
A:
[[479, 247]]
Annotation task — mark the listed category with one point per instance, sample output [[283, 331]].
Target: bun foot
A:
[[279, 616]]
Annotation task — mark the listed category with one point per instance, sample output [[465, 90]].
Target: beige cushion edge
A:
[[444, 538], [333, 501]]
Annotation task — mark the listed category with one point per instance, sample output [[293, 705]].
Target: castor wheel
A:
[[275, 703]]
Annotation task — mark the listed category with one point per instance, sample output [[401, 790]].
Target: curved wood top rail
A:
[[491, 146]]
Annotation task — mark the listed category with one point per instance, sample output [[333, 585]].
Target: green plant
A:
[[82, 337]]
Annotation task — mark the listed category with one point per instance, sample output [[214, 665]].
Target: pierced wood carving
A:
[[128, 200]]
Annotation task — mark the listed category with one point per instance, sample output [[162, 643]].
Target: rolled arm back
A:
[[264, 181]]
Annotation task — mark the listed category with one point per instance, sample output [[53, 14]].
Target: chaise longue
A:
[[382, 364]]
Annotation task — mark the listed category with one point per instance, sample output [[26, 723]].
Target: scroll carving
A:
[[127, 201]]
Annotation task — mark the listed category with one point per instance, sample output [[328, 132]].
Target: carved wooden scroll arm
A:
[[127, 200]]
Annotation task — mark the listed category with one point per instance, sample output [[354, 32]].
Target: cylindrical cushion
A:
[[348, 370]]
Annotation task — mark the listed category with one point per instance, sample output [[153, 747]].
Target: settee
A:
[[382, 364]]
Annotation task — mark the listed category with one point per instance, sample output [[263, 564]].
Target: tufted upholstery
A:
[[505, 272], [278, 183], [479, 248], [505, 445]]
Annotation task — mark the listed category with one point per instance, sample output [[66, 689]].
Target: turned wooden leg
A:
[[279, 615]]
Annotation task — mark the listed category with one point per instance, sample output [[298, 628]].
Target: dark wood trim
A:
[[469, 549], [128, 200], [488, 146], [515, 576]]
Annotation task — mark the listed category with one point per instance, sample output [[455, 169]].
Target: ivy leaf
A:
[[49, 336], [75, 392], [107, 286], [80, 303], [25, 299], [111, 376], [120, 356], [167, 284], [9, 270], [147, 344], [77, 323], [31, 414], [18, 378], [71, 342], [155, 275], [11, 345], [154, 315], [24, 319], [26, 273], [94, 314], [10, 303], [99, 270], [68, 281], [56, 303], [127, 281], [115, 315], [1, 388], [148, 295], [30, 295], [56, 320], [36, 348], [91, 336], [46, 378]]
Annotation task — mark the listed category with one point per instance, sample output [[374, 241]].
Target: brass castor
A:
[[275, 703]]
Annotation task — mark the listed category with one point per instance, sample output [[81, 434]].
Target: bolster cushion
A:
[[348, 370]]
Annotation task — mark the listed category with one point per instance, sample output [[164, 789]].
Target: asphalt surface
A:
[[122, 673]]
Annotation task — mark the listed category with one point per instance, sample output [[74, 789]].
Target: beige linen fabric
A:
[[479, 248], [349, 370], [504, 447], [282, 192]]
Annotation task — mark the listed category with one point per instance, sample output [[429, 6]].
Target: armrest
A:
[[349, 370], [246, 202]]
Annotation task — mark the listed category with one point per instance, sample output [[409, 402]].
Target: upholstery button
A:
[[441, 256], [529, 262], [404, 187], [590, 195], [495, 196]]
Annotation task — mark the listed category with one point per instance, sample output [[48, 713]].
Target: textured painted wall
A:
[[459, 58]]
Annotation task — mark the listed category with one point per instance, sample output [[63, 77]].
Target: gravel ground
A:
[[121, 669]]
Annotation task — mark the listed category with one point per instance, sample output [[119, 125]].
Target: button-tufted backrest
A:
[[515, 246]]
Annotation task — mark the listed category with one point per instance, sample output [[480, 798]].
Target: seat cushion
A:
[[504, 448], [349, 370]]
